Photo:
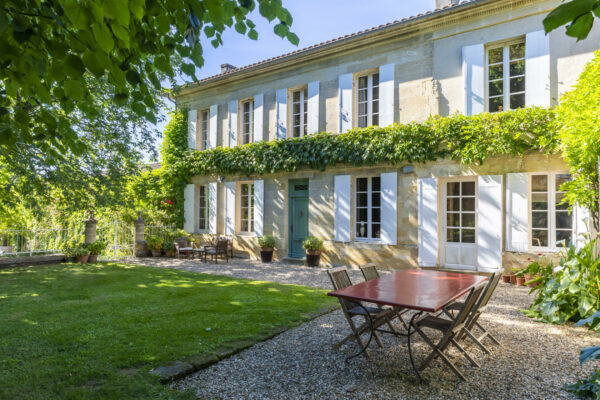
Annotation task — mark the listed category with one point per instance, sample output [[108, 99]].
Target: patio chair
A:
[[220, 249], [450, 329], [473, 320], [369, 272], [182, 246], [340, 279]]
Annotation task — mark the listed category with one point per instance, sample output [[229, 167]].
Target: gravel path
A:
[[534, 361]]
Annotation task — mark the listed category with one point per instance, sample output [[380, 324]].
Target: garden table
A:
[[419, 290]]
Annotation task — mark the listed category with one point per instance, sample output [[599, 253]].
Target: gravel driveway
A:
[[534, 361]]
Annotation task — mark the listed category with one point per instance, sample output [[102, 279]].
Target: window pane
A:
[[375, 199], [361, 200], [361, 230], [453, 188], [468, 236], [559, 199], [539, 201], [539, 219], [496, 88], [564, 238], [375, 120], [539, 183], [468, 188], [362, 122], [375, 106], [362, 82], [376, 215], [453, 219], [244, 213], [496, 104], [517, 68], [453, 235], [375, 79], [564, 220], [517, 50], [453, 204], [244, 190], [375, 95], [495, 72], [244, 226], [495, 55], [468, 204], [517, 85], [376, 184], [296, 96], [517, 100], [468, 220], [560, 179], [362, 95], [361, 184], [376, 231], [361, 214], [539, 238]]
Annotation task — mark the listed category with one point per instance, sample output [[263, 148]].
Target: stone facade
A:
[[428, 58]]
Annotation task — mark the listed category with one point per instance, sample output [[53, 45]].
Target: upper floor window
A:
[[506, 77], [299, 112], [367, 215], [203, 117], [203, 208], [367, 100], [247, 207], [551, 221], [247, 125]]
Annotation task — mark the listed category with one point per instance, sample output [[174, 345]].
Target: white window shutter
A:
[[582, 225], [517, 214], [258, 118], [212, 126], [259, 206], [281, 109], [389, 191], [474, 78], [428, 222], [537, 69], [232, 111], [212, 208], [229, 208], [341, 200], [386, 95], [189, 206], [345, 97], [312, 125], [192, 126], [489, 222]]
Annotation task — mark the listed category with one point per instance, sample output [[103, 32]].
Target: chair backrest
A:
[[182, 241], [459, 322], [489, 290], [340, 279], [369, 271], [222, 245]]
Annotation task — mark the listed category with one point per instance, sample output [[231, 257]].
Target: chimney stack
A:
[[227, 68], [444, 3]]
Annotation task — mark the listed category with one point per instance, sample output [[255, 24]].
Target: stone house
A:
[[482, 55]]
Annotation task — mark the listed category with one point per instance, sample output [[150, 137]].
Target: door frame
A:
[[443, 222], [292, 194]]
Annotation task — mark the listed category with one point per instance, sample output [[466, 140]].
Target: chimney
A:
[[445, 3], [227, 68]]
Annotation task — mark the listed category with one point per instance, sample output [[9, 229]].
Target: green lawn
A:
[[93, 331]]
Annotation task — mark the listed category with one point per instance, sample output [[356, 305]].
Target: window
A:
[[203, 208], [247, 207], [299, 112], [368, 208], [247, 124], [506, 77], [551, 222], [368, 100], [203, 117], [460, 212]]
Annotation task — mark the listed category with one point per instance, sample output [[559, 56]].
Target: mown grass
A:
[[93, 331]]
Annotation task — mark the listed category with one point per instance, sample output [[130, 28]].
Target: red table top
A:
[[421, 290]]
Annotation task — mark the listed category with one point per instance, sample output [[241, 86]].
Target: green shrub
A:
[[97, 247], [77, 251], [168, 246], [267, 242], [589, 387], [154, 243], [312, 243]]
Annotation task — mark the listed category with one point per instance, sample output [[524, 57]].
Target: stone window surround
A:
[[250, 207], [504, 43], [356, 76], [241, 122], [353, 214], [303, 89]]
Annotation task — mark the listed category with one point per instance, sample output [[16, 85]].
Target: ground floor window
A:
[[203, 208], [367, 215], [551, 223], [247, 207]]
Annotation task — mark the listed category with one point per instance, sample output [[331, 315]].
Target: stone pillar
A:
[[141, 247], [90, 229]]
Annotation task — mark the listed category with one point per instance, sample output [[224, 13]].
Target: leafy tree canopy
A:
[[578, 15]]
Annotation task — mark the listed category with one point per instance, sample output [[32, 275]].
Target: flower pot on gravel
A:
[[156, 253], [313, 247], [520, 281], [313, 258], [92, 258], [513, 279], [266, 254], [83, 259], [267, 244], [506, 278]]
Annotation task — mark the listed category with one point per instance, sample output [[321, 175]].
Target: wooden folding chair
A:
[[450, 329], [374, 317], [473, 320], [369, 272]]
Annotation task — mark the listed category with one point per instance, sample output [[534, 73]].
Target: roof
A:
[[350, 36]]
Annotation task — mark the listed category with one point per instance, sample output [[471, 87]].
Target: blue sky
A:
[[315, 21]]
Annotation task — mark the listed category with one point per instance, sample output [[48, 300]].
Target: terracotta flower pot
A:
[[266, 254], [513, 279], [156, 253], [170, 253], [83, 259], [506, 278], [520, 281], [93, 258], [313, 258]]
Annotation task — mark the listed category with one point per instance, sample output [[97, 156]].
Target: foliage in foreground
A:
[[578, 15], [589, 387], [568, 292], [93, 331]]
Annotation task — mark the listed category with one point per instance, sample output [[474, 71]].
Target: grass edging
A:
[[188, 365]]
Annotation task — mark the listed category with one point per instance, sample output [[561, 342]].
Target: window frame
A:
[[303, 90], [505, 45], [369, 238], [203, 135], [551, 197], [242, 122], [249, 205], [369, 75], [206, 207]]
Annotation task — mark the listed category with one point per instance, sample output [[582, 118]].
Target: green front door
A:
[[298, 192]]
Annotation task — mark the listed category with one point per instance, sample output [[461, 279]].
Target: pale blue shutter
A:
[[386, 95], [259, 206], [192, 126], [281, 110], [232, 110], [258, 118], [345, 98], [212, 208], [189, 205], [229, 208], [312, 124], [428, 222], [516, 212], [389, 189], [489, 222], [537, 69], [213, 126], [474, 78], [341, 200]]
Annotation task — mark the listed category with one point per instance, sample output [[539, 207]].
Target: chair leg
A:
[[437, 352], [464, 352], [477, 341], [486, 332]]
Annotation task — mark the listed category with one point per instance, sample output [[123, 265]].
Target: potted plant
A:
[[513, 275], [506, 277], [313, 247], [95, 249], [267, 245], [169, 248], [81, 252], [155, 245]]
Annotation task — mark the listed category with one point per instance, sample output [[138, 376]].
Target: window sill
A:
[[245, 234]]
